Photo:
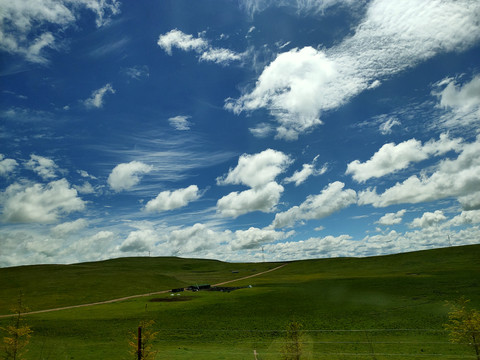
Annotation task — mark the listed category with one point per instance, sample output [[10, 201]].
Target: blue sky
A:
[[237, 130]]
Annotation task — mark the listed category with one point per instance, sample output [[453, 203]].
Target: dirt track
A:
[[135, 296]]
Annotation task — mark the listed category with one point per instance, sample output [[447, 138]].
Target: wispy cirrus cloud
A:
[[180, 122], [97, 98]]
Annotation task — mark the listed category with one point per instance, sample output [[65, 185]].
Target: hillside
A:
[[349, 307]]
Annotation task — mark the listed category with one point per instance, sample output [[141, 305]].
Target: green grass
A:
[[390, 307]]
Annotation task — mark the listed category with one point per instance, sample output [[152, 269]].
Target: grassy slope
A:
[[406, 291], [50, 286]]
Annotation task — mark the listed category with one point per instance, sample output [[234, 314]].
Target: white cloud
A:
[[391, 158], [86, 188], [22, 23], [428, 219], [392, 218], [43, 166], [196, 238], [458, 177], [460, 102], [258, 169], [220, 56], [139, 241], [470, 201], [170, 200], [261, 130], [178, 39], [386, 127], [333, 198], [463, 97], [7, 165], [85, 174], [96, 100], [393, 36], [38, 203], [138, 72], [303, 6], [465, 218], [261, 198], [255, 237], [206, 52], [62, 230], [287, 89], [180, 122], [125, 176], [299, 177]]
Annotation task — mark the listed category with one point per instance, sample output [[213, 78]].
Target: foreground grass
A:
[[375, 308]]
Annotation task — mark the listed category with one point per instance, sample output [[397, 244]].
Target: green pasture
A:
[[390, 307]]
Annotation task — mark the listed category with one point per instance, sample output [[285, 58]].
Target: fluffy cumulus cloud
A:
[[466, 218], [429, 219], [198, 237], [261, 198], [180, 40], [186, 42], [254, 237], [7, 166], [96, 99], [38, 203], [460, 101], [257, 171], [302, 83], [391, 158], [464, 97], [127, 175], [300, 176], [64, 229], [458, 177], [392, 218], [23, 24], [44, 167], [139, 241], [180, 122], [170, 200], [470, 201], [333, 198]]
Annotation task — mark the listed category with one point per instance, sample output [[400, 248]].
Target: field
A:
[[390, 307]]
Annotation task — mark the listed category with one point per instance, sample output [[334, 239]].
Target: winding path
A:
[[135, 296]]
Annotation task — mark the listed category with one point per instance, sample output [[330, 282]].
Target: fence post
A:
[[139, 349]]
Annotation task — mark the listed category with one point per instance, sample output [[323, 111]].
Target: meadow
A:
[[388, 307]]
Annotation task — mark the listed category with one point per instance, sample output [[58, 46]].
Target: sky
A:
[[237, 130]]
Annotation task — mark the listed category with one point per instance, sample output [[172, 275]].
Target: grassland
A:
[[390, 307]]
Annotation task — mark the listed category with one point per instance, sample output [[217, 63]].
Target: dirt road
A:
[[134, 296]]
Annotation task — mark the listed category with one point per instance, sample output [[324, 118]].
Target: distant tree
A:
[[292, 347], [147, 337], [18, 334], [464, 325]]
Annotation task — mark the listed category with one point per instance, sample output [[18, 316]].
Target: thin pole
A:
[[139, 349]]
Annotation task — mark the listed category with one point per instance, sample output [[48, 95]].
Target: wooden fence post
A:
[[139, 349]]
